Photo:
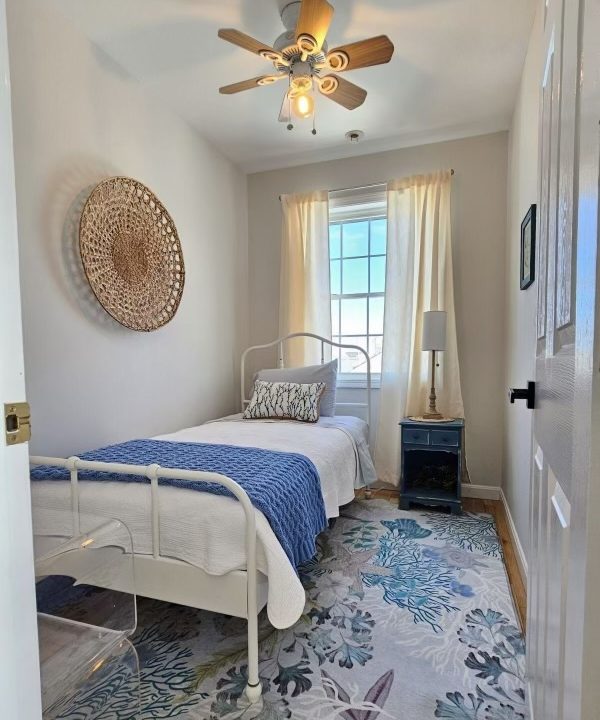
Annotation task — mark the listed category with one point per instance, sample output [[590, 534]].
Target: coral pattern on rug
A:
[[408, 616]]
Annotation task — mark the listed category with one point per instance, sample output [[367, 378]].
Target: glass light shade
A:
[[434, 330], [303, 105]]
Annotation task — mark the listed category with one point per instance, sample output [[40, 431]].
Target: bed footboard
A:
[[240, 593]]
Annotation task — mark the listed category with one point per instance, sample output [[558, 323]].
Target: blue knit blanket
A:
[[284, 486]]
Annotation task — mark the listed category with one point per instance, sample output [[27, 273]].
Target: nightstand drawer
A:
[[415, 436], [445, 437]]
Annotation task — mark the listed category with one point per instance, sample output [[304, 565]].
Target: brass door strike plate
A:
[[17, 423]]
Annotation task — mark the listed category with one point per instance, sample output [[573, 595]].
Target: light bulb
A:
[[303, 105]]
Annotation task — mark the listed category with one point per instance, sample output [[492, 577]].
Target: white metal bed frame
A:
[[240, 593]]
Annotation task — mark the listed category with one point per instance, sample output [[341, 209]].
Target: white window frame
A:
[[354, 205]]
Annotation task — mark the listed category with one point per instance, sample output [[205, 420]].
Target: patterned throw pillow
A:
[[292, 401]]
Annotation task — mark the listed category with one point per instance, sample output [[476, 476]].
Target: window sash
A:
[[344, 213]]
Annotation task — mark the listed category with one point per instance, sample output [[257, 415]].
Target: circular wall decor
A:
[[131, 254]]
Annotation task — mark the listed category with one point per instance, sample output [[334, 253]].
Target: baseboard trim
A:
[[482, 492], [519, 552]]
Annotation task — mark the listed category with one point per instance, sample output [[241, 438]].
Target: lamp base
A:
[[429, 419], [433, 416]]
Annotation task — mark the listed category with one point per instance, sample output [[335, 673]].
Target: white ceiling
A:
[[455, 71]]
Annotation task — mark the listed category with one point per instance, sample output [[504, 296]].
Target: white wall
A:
[[77, 120], [521, 305], [479, 234]]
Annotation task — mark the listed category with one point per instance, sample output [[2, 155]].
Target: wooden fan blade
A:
[[347, 94], [244, 41], [374, 51], [241, 86], [313, 22]]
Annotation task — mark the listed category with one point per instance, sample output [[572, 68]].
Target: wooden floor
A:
[[495, 508]]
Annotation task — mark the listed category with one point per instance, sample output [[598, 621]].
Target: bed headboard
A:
[[280, 343]]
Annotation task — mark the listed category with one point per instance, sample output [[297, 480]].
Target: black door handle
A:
[[527, 394]]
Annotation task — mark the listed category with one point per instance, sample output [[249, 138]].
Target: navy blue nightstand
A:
[[432, 463]]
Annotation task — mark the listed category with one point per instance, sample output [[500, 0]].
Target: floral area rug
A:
[[409, 616]]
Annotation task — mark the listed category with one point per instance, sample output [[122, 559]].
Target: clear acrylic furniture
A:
[[84, 630]]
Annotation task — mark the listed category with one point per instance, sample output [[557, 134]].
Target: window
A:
[[357, 251]]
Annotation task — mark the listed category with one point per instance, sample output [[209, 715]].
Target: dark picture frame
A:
[[528, 232]]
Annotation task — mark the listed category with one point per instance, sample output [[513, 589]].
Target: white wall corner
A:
[[482, 492], [519, 552]]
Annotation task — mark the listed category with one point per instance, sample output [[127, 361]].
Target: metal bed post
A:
[[152, 475], [72, 466]]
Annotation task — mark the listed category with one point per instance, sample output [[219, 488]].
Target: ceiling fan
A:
[[301, 56]]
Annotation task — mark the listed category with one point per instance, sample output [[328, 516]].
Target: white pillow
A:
[[326, 373], [292, 401]]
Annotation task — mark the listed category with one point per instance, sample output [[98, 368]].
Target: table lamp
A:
[[434, 340]]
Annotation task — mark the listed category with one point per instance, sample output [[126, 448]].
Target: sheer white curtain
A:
[[418, 278], [305, 296]]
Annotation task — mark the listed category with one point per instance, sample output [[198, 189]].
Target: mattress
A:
[[207, 530]]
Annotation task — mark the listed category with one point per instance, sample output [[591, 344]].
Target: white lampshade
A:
[[434, 330]]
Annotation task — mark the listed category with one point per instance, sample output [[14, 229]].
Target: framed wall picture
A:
[[528, 248]]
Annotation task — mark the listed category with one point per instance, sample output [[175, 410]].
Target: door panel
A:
[[555, 350], [557, 551], [563, 640]]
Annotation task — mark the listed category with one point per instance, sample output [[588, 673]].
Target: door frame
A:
[[19, 656]]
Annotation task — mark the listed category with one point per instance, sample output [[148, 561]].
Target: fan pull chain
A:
[[290, 125]]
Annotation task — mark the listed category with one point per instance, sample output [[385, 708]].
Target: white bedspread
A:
[[208, 530]]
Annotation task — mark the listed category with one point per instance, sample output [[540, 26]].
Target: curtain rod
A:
[[365, 187]]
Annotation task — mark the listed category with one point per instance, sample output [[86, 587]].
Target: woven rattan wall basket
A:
[[131, 254]]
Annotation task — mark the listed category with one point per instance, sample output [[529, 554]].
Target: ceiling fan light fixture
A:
[[300, 85], [303, 106]]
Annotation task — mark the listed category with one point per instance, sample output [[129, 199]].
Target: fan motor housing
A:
[[289, 11]]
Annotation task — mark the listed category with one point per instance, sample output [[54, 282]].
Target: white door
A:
[[19, 665], [565, 546]]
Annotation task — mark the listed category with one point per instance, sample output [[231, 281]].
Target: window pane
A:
[[356, 278], [377, 274], [375, 348], [376, 315], [356, 239], [353, 361], [354, 316], [335, 317], [378, 236], [335, 244], [335, 278]]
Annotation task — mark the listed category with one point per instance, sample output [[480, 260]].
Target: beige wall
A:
[[521, 305], [479, 234], [77, 120]]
